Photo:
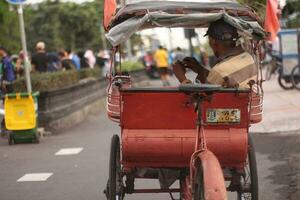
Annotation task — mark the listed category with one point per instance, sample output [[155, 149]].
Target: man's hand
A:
[[179, 71], [191, 63], [194, 65], [230, 82]]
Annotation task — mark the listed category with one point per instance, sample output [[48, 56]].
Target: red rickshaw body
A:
[[175, 128], [159, 128]]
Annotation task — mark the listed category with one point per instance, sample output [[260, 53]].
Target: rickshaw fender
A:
[[214, 183]]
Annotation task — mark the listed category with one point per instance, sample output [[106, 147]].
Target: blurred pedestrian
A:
[[100, 59], [179, 55], [161, 59], [53, 62], [83, 60], [66, 62], [7, 72], [149, 65], [91, 59], [7, 77], [75, 59], [40, 60], [20, 65]]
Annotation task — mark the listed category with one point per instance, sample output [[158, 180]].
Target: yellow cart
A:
[[21, 117]]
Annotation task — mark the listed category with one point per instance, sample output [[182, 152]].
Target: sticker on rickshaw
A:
[[223, 116]]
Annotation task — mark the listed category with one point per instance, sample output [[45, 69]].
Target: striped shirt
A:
[[241, 68]]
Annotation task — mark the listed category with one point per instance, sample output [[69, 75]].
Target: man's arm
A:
[[191, 63]]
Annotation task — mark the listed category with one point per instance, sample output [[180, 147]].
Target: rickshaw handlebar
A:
[[208, 88]]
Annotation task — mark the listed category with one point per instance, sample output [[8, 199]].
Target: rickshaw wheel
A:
[[249, 181], [285, 82], [199, 184], [115, 184], [295, 76]]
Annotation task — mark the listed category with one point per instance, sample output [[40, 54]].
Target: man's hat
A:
[[220, 30]]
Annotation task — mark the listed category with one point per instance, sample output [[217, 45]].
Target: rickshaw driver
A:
[[235, 67]]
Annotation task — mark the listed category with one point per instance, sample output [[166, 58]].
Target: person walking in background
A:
[[53, 62], [66, 62], [19, 65], [100, 59], [179, 55], [161, 60], [75, 59], [83, 60], [149, 65], [91, 59], [7, 72], [39, 60], [7, 77]]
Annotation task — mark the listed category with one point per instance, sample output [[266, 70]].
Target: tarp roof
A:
[[139, 16]]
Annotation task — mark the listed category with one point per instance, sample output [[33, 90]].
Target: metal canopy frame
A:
[[138, 16]]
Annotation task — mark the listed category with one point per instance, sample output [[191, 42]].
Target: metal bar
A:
[[156, 190], [24, 47]]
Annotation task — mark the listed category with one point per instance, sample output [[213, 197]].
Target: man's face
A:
[[214, 45]]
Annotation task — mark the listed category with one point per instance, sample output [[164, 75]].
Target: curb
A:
[[287, 132]]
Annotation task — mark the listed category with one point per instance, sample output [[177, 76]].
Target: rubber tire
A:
[[114, 164], [293, 75], [283, 84], [253, 171], [199, 184]]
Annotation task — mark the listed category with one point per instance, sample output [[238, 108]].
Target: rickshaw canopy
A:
[[170, 14]]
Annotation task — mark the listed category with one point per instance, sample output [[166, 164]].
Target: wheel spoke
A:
[[248, 181]]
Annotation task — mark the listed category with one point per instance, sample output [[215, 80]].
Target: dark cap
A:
[[220, 30]]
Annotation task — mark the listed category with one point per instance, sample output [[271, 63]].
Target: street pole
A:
[[103, 38], [191, 46], [24, 47], [170, 39], [128, 49]]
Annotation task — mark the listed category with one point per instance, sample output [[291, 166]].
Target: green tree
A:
[[291, 14], [65, 25], [258, 5], [9, 28]]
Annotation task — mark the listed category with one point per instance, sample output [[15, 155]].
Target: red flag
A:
[[110, 7], [271, 21]]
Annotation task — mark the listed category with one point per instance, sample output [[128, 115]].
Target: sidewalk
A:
[[281, 109]]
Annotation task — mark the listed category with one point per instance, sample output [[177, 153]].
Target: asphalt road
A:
[[83, 176]]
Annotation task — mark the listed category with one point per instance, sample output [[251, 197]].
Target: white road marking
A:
[[68, 151], [35, 177]]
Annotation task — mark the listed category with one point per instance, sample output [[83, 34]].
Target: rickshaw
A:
[[289, 62], [288, 58], [195, 134]]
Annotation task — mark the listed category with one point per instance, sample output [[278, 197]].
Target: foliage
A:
[[65, 25], [9, 27], [59, 24], [291, 14], [129, 66], [258, 5], [54, 80]]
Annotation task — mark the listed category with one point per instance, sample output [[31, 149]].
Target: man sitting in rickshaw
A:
[[235, 67]]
